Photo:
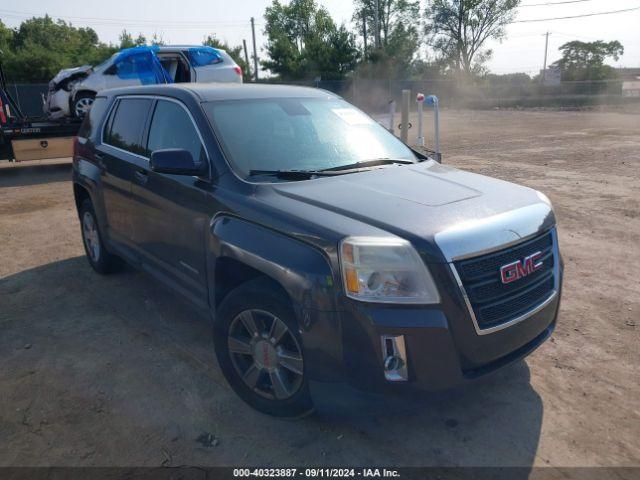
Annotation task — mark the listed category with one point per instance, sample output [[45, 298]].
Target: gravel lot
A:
[[117, 371]]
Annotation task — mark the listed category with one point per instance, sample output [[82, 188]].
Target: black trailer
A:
[[31, 138]]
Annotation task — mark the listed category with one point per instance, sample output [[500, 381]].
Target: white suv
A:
[[71, 91]]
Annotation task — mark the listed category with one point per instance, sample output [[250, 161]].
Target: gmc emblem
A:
[[519, 269]]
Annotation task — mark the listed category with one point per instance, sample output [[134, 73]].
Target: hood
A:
[[448, 212], [67, 75]]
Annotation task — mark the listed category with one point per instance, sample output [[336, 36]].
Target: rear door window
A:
[[126, 127], [172, 127]]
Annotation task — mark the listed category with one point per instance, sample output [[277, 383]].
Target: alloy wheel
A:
[[90, 236], [265, 354], [82, 106]]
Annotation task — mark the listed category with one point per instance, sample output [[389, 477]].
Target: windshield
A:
[[105, 63], [299, 134]]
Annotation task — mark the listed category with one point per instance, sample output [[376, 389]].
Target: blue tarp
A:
[[141, 62], [201, 56]]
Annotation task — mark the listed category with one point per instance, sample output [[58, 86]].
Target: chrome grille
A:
[[493, 302]]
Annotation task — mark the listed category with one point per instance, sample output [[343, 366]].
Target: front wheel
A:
[[82, 104], [260, 352]]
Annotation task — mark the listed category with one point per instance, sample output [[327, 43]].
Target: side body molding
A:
[[303, 272]]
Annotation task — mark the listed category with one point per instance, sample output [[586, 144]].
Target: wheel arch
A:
[[230, 273], [80, 194], [296, 269], [240, 250], [82, 91]]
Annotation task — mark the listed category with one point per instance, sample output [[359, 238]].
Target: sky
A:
[[189, 21]]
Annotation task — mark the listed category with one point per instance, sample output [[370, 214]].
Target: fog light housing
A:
[[394, 358]]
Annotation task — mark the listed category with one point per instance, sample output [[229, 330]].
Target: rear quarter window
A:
[[125, 128], [93, 118]]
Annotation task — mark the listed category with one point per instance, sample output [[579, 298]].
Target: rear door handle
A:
[[141, 177]]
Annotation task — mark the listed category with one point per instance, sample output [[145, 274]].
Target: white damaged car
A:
[[72, 90]]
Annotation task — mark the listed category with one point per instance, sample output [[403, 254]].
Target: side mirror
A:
[[176, 161]]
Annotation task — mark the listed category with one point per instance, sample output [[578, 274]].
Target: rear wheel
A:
[[82, 103], [101, 260], [260, 351]]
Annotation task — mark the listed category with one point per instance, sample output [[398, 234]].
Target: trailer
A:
[[24, 138]]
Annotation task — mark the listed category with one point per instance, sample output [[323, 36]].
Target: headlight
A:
[[385, 269]]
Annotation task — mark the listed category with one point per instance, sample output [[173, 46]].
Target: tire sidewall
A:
[[100, 264], [259, 296]]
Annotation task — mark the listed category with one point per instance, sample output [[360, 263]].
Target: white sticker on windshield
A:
[[352, 116]]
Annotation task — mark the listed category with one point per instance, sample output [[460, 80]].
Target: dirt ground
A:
[[118, 371]]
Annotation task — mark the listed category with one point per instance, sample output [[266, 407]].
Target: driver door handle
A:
[[141, 177]]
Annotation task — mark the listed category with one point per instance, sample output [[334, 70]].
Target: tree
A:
[[235, 52], [458, 29], [585, 60], [399, 31], [40, 46], [303, 42], [127, 40]]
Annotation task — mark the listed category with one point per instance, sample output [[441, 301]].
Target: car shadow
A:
[[18, 175], [117, 370]]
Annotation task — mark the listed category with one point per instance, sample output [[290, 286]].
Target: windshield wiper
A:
[[367, 163], [291, 174], [339, 170]]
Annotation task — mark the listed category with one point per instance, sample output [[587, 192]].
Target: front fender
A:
[[301, 270]]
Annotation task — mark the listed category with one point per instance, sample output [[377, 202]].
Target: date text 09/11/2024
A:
[[316, 472]]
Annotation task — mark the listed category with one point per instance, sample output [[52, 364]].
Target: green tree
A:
[[236, 52], [157, 39], [585, 60], [304, 42], [458, 29], [127, 40], [399, 32], [6, 37], [40, 46]]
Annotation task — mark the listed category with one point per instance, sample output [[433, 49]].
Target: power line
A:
[[575, 16], [126, 22], [553, 3]]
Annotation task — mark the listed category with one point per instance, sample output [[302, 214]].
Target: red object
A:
[[420, 97], [519, 269], [238, 70]]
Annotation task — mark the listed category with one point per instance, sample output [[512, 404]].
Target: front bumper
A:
[[443, 349], [57, 104]]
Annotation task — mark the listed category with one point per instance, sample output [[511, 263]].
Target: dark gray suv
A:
[[320, 246]]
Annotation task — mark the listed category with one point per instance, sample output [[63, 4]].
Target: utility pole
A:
[[546, 46], [246, 57], [376, 17], [255, 52]]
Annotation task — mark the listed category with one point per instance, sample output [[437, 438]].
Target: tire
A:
[[100, 260], [267, 374], [82, 103]]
